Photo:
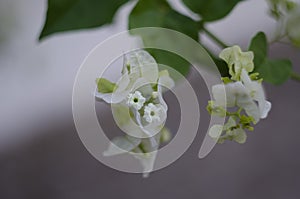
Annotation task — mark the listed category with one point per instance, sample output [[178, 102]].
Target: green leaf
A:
[[275, 71], [259, 46], [158, 13], [222, 66], [170, 59], [105, 86], [65, 15], [211, 10]]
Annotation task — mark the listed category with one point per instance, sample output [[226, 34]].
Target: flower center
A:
[[136, 100]]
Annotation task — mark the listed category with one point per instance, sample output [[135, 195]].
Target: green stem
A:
[[295, 76], [215, 38]]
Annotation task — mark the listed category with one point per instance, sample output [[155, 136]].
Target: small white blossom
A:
[[140, 72], [237, 60], [151, 113], [136, 100], [257, 93]]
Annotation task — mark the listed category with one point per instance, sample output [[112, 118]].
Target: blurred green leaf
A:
[[259, 46], [222, 66], [65, 15], [211, 10], [158, 13], [105, 86], [170, 59], [273, 71]]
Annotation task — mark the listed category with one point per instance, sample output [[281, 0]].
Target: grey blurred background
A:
[[41, 155]]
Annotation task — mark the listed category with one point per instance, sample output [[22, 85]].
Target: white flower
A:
[[257, 93], [141, 64], [245, 94], [237, 60], [138, 69], [136, 100], [152, 113], [144, 122]]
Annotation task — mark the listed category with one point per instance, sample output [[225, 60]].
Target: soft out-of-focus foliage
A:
[[65, 15], [158, 13], [272, 71], [211, 10]]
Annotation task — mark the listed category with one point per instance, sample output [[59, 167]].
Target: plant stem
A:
[[215, 38], [295, 76]]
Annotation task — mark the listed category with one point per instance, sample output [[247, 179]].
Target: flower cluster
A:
[[138, 106], [242, 93]]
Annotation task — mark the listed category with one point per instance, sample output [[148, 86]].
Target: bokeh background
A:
[[41, 155]]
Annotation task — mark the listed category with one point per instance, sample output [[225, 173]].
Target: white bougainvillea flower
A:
[[136, 100], [235, 94], [237, 60], [152, 113], [139, 67], [246, 94], [231, 130], [141, 64], [138, 106], [257, 93], [153, 127], [165, 81], [118, 94]]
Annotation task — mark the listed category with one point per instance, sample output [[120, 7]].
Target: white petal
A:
[[142, 64], [240, 136], [257, 93], [266, 110], [112, 98], [246, 102], [103, 96], [123, 82], [119, 94], [165, 81], [219, 94], [125, 122], [225, 95], [147, 160], [215, 131], [246, 79], [120, 145]]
